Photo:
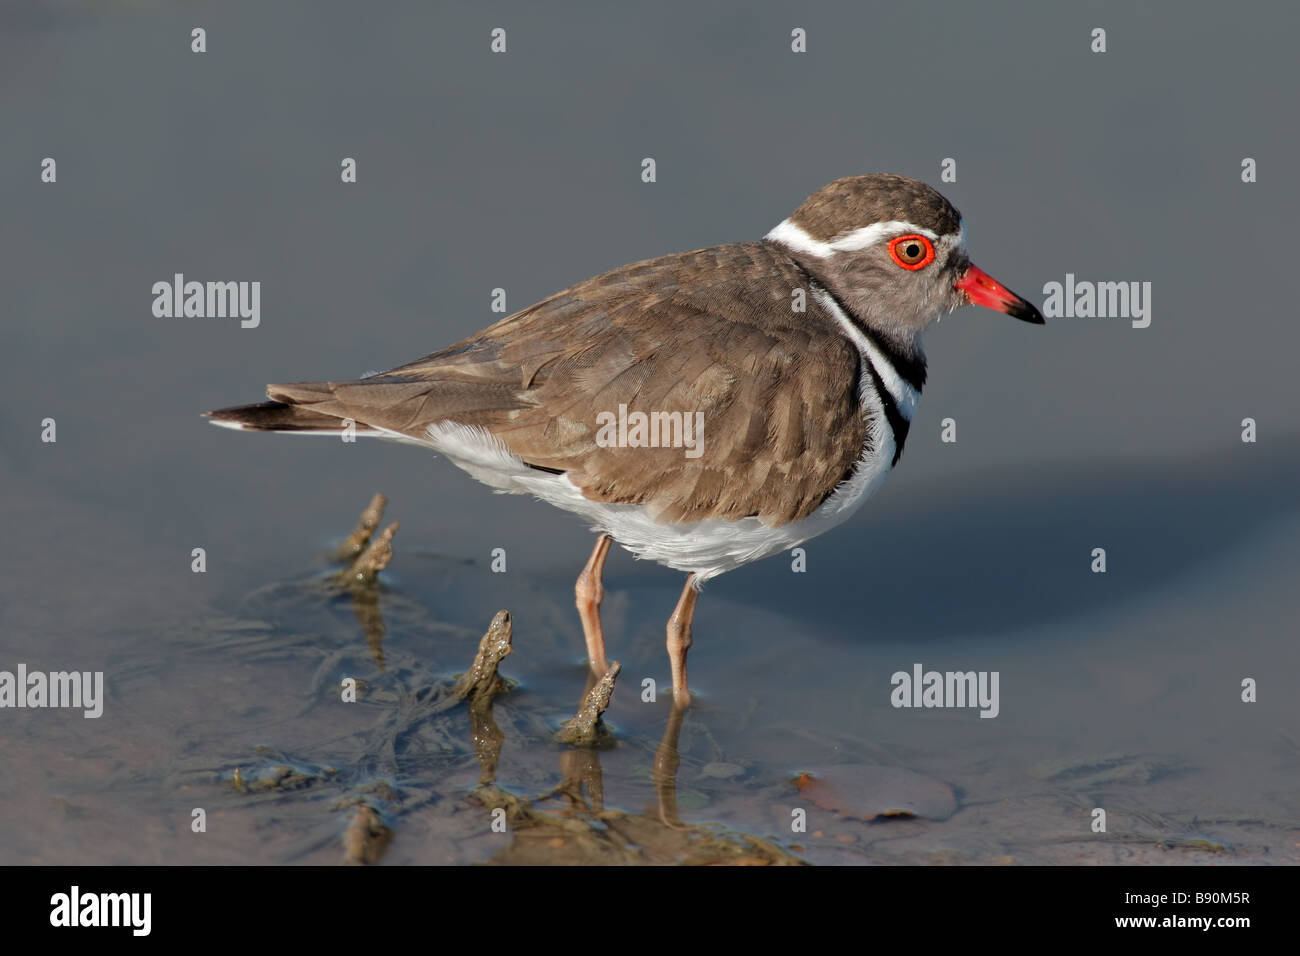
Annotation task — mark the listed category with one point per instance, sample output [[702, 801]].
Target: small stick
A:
[[584, 729], [370, 518], [481, 682], [374, 558], [366, 837]]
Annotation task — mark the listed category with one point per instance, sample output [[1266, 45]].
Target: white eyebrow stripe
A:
[[795, 238]]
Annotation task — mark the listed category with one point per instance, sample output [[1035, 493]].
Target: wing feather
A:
[[690, 333]]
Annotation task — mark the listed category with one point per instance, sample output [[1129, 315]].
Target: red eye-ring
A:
[[912, 252]]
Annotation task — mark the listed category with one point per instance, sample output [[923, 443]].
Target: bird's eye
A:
[[912, 252]]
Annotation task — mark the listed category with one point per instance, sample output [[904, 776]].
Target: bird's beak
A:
[[980, 288]]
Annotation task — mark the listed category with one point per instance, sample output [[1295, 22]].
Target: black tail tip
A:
[[264, 416], [278, 417]]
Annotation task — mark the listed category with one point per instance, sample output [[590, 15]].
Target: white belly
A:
[[704, 548]]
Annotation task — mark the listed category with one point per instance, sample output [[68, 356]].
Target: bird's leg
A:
[[588, 593], [679, 640]]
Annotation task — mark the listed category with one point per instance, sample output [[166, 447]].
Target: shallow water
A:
[[1124, 706]]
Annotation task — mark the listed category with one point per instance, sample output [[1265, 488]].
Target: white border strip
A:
[[794, 237], [906, 398]]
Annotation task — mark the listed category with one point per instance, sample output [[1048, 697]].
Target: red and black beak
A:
[[982, 289]]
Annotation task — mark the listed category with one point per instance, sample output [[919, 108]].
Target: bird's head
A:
[[893, 251]]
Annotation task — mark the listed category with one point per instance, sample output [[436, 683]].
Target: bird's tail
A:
[[282, 417]]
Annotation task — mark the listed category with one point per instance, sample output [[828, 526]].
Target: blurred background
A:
[[522, 171]]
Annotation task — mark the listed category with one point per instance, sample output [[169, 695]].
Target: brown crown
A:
[[856, 201]]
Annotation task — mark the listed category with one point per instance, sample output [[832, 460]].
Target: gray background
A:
[[522, 171]]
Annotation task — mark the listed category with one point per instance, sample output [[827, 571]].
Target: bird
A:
[[704, 409]]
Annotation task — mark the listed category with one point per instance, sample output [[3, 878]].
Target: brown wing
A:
[[710, 331]]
